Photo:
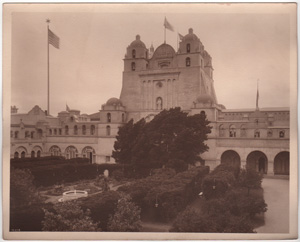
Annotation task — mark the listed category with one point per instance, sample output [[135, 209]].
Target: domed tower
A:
[[197, 62], [136, 56]]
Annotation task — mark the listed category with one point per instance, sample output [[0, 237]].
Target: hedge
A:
[[139, 189], [175, 193], [28, 218], [218, 182], [101, 206]]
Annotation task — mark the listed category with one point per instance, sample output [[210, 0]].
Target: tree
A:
[[127, 217], [68, 216], [171, 135], [22, 190], [250, 179]]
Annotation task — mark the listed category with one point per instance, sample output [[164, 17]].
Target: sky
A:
[[246, 43]]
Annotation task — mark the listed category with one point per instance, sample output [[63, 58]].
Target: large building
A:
[[154, 80]]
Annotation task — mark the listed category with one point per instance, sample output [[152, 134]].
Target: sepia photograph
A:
[[150, 121]]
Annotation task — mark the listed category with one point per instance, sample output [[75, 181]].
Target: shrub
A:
[[250, 179], [28, 218], [101, 206], [175, 193], [127, 217]]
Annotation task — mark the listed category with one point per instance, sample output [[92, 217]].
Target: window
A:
[[107, 159], [16, 155], [55, 131], [221, 130], [50, 131], [108, 130], [92, 129], [83, 129], [59, 131], [123, 117], [188, 61], [133, 53], [32, 154], [243, 131], [66, 130], [270, 133], [281, 134], [38, 154], [202, 113], [27, 134], [23, 154], [108, 117], [16, 134], [75, 130], [40, 133], [256, 134], [159, 103], [232, 132], [188, 48], [133, 66]]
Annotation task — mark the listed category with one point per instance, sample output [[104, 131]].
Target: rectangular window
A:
[[107, 159]]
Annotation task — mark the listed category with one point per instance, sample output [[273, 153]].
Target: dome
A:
[[137, 42], [190, 36], [205, 98], [113, 101], [164, 51]]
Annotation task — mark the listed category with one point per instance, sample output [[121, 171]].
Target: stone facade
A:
[[154, 80]]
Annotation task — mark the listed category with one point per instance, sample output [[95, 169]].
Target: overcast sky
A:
[[246, 44]]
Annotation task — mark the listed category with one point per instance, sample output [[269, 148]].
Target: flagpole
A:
[[48, 75]]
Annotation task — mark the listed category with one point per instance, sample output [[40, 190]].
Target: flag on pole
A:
[[168, 25], [180, 36], [53, 39], [257, 96]]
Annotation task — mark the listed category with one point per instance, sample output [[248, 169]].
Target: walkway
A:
[[276, 195]]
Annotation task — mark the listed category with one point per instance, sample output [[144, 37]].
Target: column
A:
[[270, 168]]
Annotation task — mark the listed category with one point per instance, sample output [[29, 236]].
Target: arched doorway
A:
[[282, 163], [258, 161], [71, 152], [232, 158], [16, 155], [55, 150], [89, 152]]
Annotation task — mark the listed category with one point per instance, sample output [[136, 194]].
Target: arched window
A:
[[92, 129], [66, 130], [243, 131], [202, 113], [133, 66], [32, 134], [40, 133], [55, 131], [133, 53], [108, 115], [75, 130], [159, 103], [123, 117], [16, 134], [27, 134], [59, 131], [16, 155], [50, 131], [38, 154], [71, 152], [83, 129], [32, 154], [221, 130], [281, 134], [270, 133], [188, 61], [256, 134], [232, 131], [55, 151], [108, 130], [188, 48], [23, 154]]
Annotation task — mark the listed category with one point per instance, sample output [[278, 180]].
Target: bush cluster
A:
[[227, 206], [48, 171]]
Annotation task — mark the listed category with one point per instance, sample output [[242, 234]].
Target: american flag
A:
[[53, 39]]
